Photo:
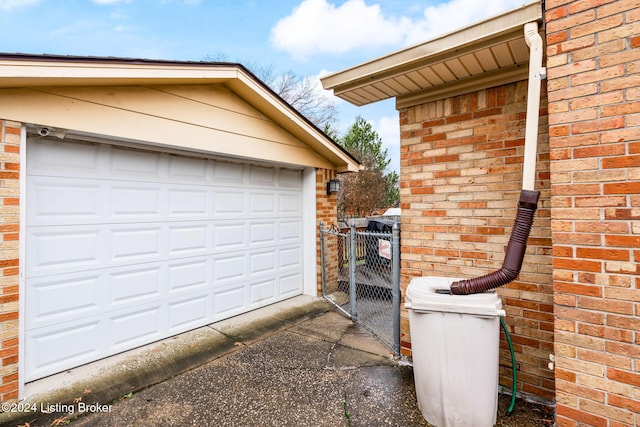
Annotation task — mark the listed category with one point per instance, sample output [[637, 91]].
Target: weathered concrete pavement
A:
[[297, 363], [311, 369]]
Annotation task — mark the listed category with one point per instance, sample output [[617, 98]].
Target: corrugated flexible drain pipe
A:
[[528, 202]]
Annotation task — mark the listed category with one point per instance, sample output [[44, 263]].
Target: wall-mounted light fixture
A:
[[333, 186]]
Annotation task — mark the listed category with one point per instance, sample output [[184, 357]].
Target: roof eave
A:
[[351, 83], [20, 70]]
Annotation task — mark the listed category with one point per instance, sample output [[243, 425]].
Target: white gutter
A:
[[536, 74]]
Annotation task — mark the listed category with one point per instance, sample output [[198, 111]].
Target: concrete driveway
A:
[[297, 363], [313, 367]]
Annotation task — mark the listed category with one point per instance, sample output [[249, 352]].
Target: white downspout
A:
[[528, 202], [536, 74]]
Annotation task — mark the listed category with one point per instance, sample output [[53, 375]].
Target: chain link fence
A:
[[361, 277]]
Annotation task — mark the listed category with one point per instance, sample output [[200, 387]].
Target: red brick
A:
[[10, 378], [10, 342], [580, 416], [578, 289], [622, 188], [553, 14], [424, 190], [625, 241], [11, 360], [624, 402], [598, 125], [604, 254], [9, 175], [12, 130], [579, 265], [621, 162], [624, 376]]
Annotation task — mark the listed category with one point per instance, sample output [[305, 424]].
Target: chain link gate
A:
[[361, 277]]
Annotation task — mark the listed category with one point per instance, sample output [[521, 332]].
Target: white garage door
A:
[[125, 247]]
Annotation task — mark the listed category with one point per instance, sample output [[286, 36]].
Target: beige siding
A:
[[204, 118]]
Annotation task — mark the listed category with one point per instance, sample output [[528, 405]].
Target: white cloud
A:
[[13, 4], [449, 16], [319, 26]]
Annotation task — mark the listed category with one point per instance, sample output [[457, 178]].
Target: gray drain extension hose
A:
[[512, 263]]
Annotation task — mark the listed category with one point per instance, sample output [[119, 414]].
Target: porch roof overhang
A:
[[485, 54], [19, 71]]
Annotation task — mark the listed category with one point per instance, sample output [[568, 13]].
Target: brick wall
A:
[[327, 213], [461, 175], [9, 234], [593, 50]]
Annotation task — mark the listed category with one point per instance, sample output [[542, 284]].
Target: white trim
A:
[[85, 137], [309, 268], [22, 302]]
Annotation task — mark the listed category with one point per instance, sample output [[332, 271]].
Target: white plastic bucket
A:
[[455, 343]]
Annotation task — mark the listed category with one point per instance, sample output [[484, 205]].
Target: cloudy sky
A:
[[308, 37]]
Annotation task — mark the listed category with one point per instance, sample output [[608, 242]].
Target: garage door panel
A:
[[126, 247], [290, 284], [261, 263], [228, 203], [263, 292], [290, 204], [55, 200], [229, 267], [262, 204], [227, 174], [55, 349], [135, 327], [57, 158], [135, 285], [136, 244], [261, 176], [229, 301], [57, 250], [229, 235], [290, 257], [290, 179], [186, 314], [135, 200], [129, 164], [185, 240], [290, 230], [262, 233], [189, 202], [189, 169], [189, 275], [50, 250], [55, 301]]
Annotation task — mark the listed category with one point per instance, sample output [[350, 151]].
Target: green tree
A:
[[372, 188]]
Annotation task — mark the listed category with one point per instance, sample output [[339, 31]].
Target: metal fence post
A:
[[395, 272], [323, 267], [352, 271]]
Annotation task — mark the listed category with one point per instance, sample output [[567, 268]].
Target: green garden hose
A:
[[514, 369]]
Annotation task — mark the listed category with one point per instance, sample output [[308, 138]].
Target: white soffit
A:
[[481, 55]]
